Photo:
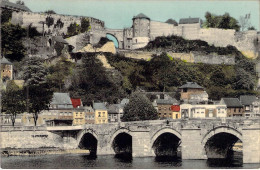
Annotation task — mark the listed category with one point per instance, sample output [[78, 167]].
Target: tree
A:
[[139, 108], [49, 21], [37, 90], [73, 29], [251, 28], [6, 15], [13, 101], [12, 45], [59, 24], [84, 23], [50, 12], [244, 80], [221, 21]]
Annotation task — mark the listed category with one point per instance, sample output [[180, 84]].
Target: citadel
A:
[[144, 30]]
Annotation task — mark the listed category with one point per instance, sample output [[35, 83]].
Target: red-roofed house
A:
[[76, 102], [175, 112]]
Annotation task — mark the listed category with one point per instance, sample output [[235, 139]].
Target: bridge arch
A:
[[88, 140], [121, 142], [221, 129], [219, 142], [113, 37], [166, 142]]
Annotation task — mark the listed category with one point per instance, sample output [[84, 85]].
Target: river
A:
[[73, 161]]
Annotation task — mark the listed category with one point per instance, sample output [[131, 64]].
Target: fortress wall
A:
[[192, 57], [26, 18], [190, 31], [160, 29]]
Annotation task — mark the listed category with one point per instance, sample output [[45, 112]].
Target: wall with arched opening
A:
[[113, 38], [219, 142], [166, 142]]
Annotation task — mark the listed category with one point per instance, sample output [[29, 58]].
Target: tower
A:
[[141, 25]]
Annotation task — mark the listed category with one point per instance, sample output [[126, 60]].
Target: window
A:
[[103, 114], [99, 114]]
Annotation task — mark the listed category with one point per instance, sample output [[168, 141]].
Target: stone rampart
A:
[[160, 29], [26, 18], [193, 57]]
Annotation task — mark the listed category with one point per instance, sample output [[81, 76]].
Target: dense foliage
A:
[[221, 21], [163, 73], [178, 44], [37, 90], [139, 108], [92, 82], [75, 29], [50, 12]]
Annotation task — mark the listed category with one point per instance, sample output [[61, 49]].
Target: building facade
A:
[[101, 115], [234, 107]]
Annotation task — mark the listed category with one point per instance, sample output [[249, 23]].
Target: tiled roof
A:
[[189, 20], [112, 109], [191, 85], [99, 106], [76, 102], [247, 100], [141, 15], [164, 101], [172, 21], [232, 102], [5, 61], [7, 4], [61, 99]]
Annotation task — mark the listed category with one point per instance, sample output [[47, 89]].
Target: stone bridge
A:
[[118, 34], [193, 138]]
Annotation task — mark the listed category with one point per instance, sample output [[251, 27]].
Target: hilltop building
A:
[[191, 92]]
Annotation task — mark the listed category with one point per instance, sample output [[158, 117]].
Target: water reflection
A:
[[235, 160], [124, 157]]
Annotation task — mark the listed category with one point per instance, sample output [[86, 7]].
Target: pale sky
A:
[[119, 13]]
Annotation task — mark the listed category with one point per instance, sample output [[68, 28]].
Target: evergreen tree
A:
[[139, 108], [37, 90]]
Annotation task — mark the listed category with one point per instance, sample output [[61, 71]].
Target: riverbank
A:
[[41, 151]]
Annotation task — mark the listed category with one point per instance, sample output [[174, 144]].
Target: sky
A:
[[119, 13]]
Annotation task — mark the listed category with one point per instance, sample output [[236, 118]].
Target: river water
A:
[[73, 161]]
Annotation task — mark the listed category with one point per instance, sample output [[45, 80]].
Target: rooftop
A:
[[189, 20], [141, 15], [166, 101], [247, 99], [75, 102], [5, 61], [99, 106], [124, 101], [88, 109], [61, 99], [7, 4], [191, 85], [232, 102]]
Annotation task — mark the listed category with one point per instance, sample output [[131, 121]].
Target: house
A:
[[176, 112], [76, 102], [234, 107], [89, 115], [6, 69], [247, 102], [191, 92], [79, 116], [203, 110], [256, 108], [101, 115], [60, 108], [164, 107]]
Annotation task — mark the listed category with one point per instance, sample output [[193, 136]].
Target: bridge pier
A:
[[191, 144], [141, 144], [251, 144]]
